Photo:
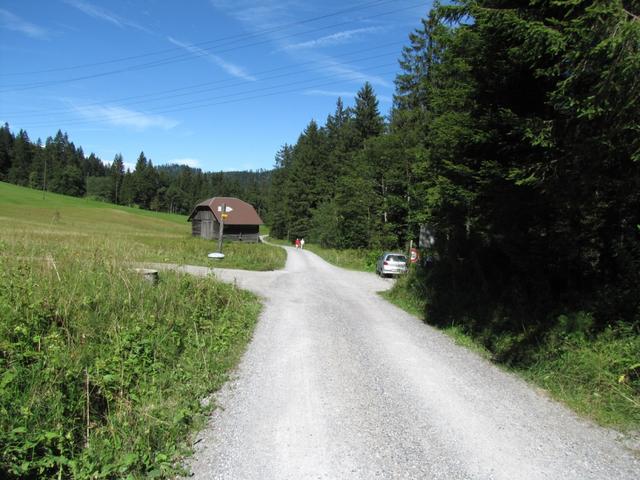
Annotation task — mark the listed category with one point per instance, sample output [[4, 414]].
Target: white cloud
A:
[[329, 93], [333, 39], [103, 14], [124, 117], [351, 74], [230, 68], [268, 14], [189, 162], [9, 21], [273, 13]]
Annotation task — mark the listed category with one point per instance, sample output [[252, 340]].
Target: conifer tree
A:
[[6, 150], [21, 161], [117, 176], [367, 119]]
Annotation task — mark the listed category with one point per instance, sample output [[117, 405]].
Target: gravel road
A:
[[339, 384]]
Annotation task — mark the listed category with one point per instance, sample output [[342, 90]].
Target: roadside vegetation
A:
[[595, 373], [352, 259], [102, 373], [360, 259]]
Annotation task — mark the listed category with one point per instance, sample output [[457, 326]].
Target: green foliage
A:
[[526, 169], [342, 185], [598, 377], [596, 374], [406, 293], [352, 258], [61, 167], [103, 372]]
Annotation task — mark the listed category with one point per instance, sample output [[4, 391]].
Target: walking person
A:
[[297, 243], [302, 244]]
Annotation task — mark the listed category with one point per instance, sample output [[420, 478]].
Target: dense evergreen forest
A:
[[514, 140], [61, 167]]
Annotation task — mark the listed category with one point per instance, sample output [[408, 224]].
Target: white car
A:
[[391, 263]]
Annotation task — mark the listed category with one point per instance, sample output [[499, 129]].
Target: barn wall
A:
[[204, 224]]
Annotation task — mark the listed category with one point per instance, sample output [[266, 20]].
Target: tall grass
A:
[[103, 372], [353, 259]]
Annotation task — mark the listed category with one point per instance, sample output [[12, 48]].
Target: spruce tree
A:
[[6, 150], [22, 158], [367, 119], [117, 175]]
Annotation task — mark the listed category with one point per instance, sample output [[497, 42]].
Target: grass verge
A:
[[597, 376], [352, 259]]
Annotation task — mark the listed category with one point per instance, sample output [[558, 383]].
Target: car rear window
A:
[[397, 258]]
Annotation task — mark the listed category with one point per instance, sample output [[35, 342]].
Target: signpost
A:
[[223, 217]]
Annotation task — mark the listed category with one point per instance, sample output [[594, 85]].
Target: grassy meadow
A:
[[102, 373], [78, 225]]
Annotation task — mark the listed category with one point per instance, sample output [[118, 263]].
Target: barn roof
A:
[[239, 212]]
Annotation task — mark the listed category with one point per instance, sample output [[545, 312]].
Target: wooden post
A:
[[221, 231]]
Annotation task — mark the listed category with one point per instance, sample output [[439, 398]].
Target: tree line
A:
[[59, 166], [514, 141]]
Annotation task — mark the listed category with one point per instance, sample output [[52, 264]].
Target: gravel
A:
[[339, 384]]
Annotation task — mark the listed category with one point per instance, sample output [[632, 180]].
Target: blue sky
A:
[[214, 84]]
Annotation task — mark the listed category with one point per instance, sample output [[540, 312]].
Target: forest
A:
[[59, 166], [513, 142]]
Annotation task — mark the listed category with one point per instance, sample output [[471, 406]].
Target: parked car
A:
[[391, 263]]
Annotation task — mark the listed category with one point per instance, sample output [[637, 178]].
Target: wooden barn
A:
[[242, 222]]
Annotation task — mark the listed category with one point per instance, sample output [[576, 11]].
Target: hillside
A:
[[130, 233]]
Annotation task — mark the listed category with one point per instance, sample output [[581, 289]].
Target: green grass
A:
[[363, 260], [127, 233], [353, 259], [102, 373], [598, 377]]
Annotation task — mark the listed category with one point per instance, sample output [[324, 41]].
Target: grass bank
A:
[[102, 372], [597, 375]]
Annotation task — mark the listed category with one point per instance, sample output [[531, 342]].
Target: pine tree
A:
[[117, 176], [278, 204], [22, 158], [309, 183], [6, 150], [367, 120]]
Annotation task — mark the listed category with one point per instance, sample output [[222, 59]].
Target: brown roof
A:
[[239, 212]]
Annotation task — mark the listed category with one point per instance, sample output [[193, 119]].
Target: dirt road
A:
[[339, 384]]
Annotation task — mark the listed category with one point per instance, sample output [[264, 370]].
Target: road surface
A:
[[339, 384]]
